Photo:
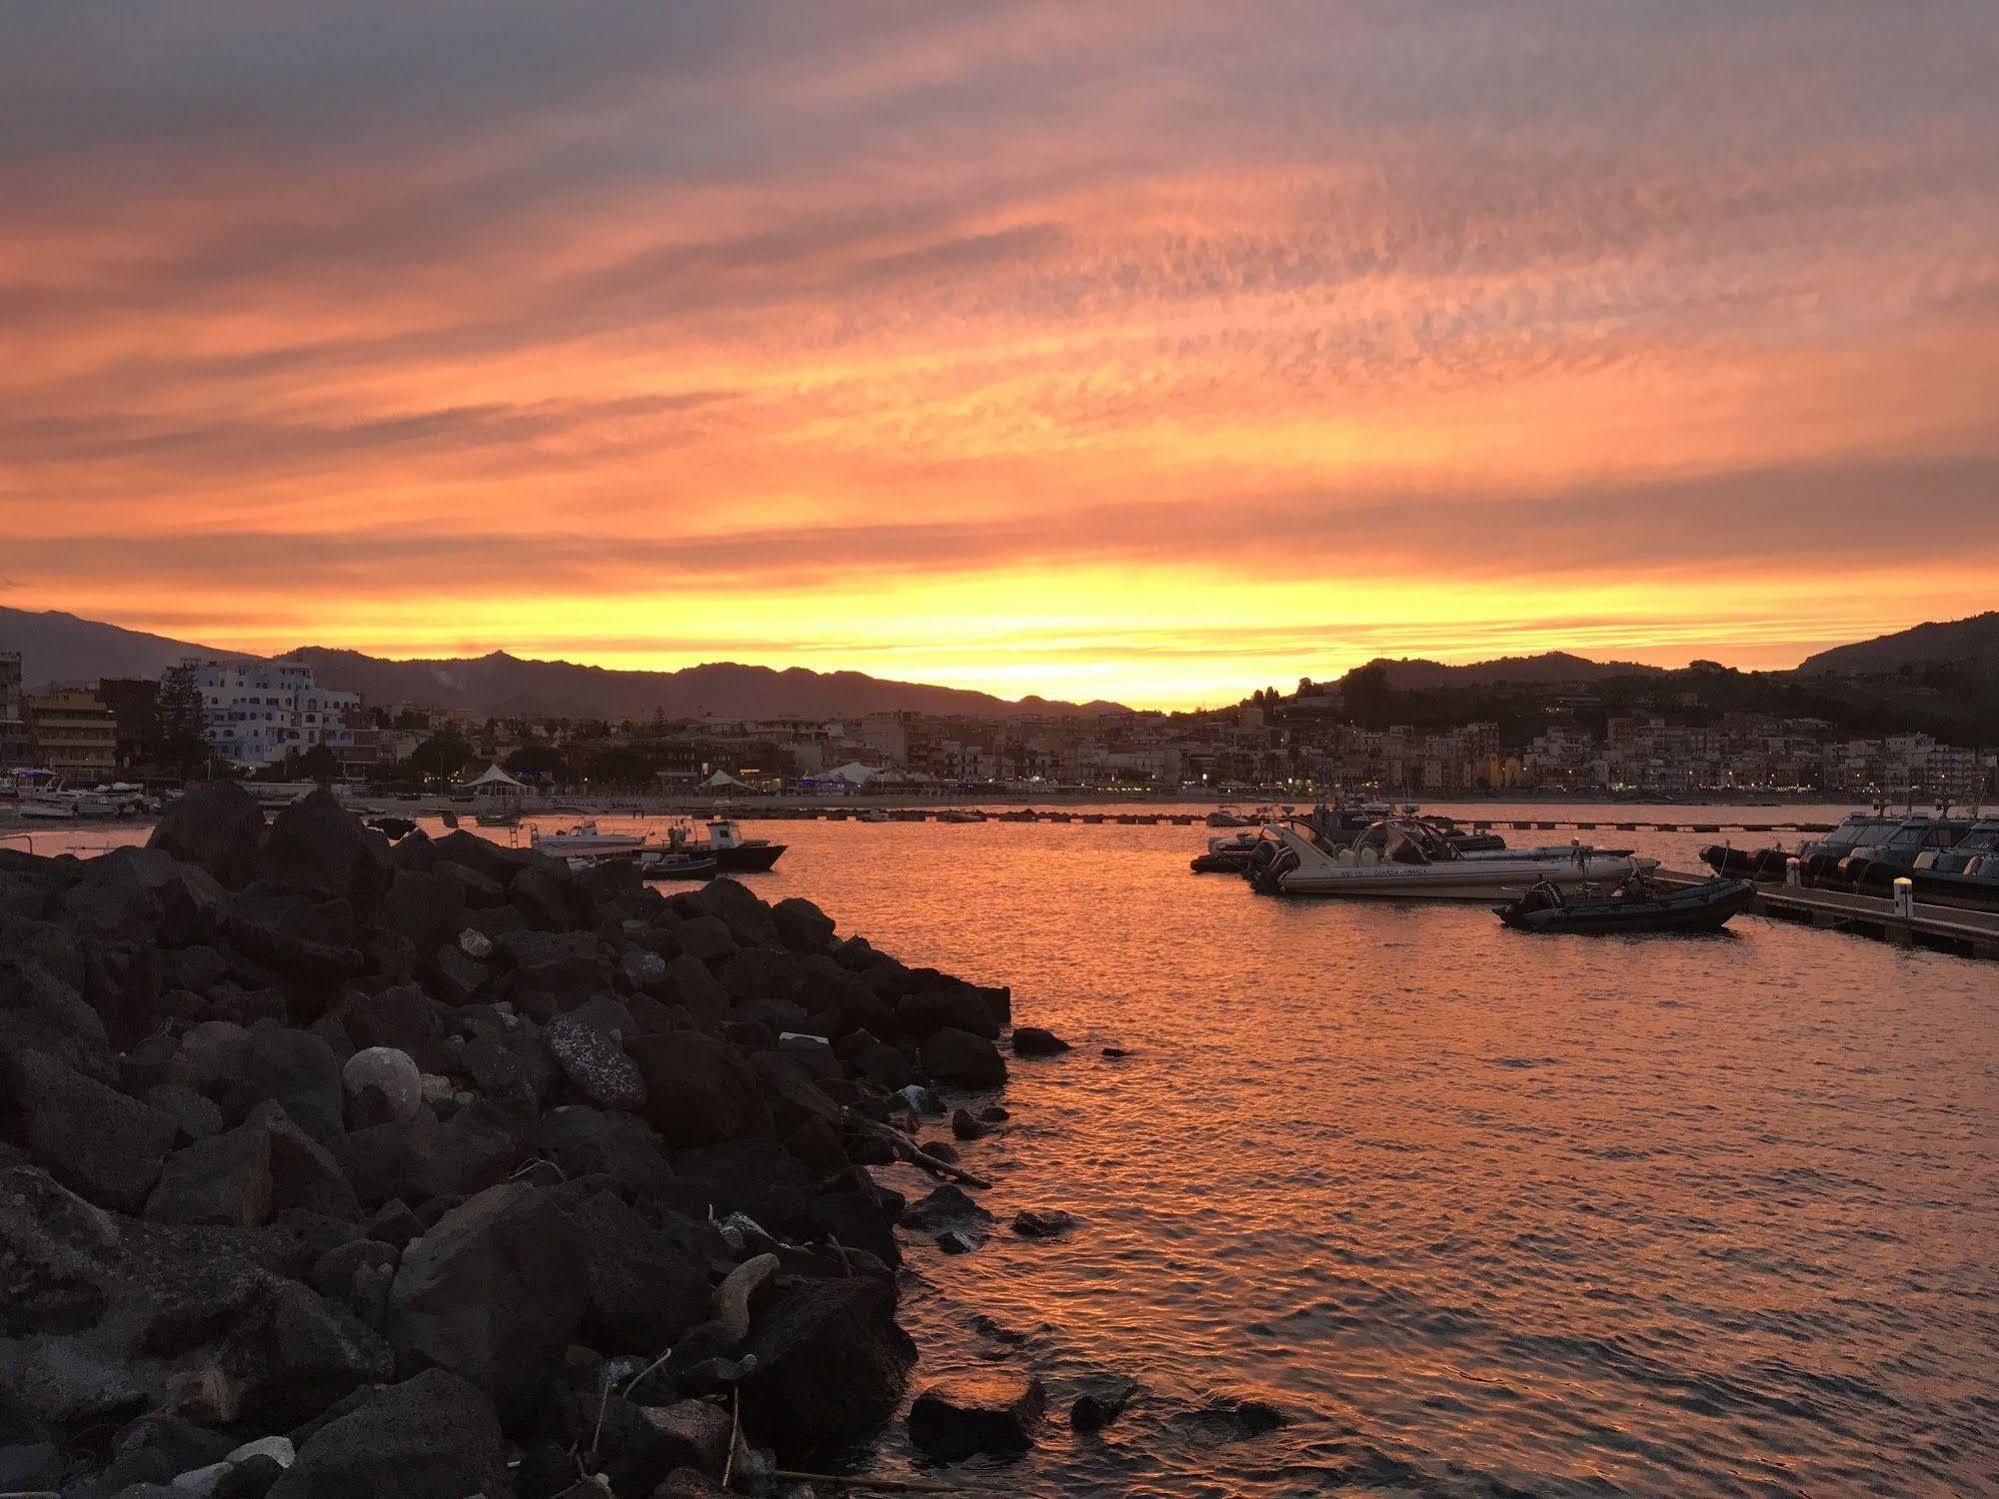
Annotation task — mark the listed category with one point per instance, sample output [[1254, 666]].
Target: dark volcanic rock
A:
[[644, 1286], [299, 1071], [1042, 1223], [320, 849], [994, 1410], [218, 826], [431, 1437], [963, 1059], [801, 925], [1033, 1041], [1102, 1401], [830, 1363], [92, 1139], [960, 1008], [491, 1293], [965, 1126], [593, 1058], [264, 1166], [699, 1090]]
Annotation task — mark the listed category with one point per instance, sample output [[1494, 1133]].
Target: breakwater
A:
[[330, 1166]]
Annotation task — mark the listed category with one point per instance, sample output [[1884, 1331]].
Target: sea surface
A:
[[1481, 1212]]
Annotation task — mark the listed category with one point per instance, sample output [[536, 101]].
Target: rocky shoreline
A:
[[336, 1167]]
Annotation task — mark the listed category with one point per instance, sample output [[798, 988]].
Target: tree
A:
[[1369, 699], [183, 724], [543, 760], [443, 754]]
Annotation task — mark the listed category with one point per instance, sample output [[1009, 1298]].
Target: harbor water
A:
[[1479, 1212]]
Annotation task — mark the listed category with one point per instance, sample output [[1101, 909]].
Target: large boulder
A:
[[492, 1294], [91, 1138], [382, 1085], [583, 1141], [592, 1056], [41, 1011], [993, 1410], [963, 1060], [218, 826], [801, 925], [426, 908], [740, 908], [265, 1166], [1034, 1041], [830, 1363], [958, 1008], [645, 1285], [298, 1070], [321, 850], [431, 1437], [698, 1089]]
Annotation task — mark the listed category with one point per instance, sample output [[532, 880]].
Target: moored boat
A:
[[1635, 905], [726, 845], [1407, 860], [666, 864], [586, 839]]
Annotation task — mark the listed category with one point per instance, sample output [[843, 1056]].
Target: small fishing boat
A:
[[507, 818], [586, 839], [725, 844], [666, 864], [1228, 817], [1636, 905]]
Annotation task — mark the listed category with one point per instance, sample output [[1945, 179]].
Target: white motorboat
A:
[[1405, 860], [48, 806], [586, 839]]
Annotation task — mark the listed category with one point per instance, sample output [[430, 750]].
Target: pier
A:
[[1956, 929]]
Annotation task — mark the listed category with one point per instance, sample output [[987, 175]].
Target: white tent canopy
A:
[[723, 778], [496, 778], [854, 773]]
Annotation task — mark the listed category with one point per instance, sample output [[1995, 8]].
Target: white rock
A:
[[475, 944], [278, 1449], [801, 1041], [389, 1072]]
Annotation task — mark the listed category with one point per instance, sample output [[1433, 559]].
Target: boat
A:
[[1635, 905], [1965, 874], [1228, 817], [667, 864], [1226, 855], [726, 845], [586, 839], [876, 814], [1405, 859], [1818, 860], [48, 806], [507, 818]]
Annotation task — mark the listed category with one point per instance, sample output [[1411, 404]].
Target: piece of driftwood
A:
[[916, 1155]]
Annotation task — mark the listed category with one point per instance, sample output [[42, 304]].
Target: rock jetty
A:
[[331, 1166]]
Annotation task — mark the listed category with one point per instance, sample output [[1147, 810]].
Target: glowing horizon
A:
[[1037, 348]]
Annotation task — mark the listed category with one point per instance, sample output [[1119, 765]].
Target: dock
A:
[[1954, 929]]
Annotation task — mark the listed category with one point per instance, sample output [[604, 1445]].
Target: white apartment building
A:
[[256, 711]]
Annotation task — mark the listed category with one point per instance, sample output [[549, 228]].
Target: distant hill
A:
[[500, 685], [1413, 674], [1972, 643], [58, 647]]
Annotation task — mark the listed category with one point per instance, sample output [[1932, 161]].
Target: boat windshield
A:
[[1404, 849], [1850, 833]]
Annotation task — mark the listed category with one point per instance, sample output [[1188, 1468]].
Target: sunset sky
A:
[[1152, 352]]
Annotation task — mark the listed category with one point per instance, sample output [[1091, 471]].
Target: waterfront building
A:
[[16, 748], [258, 711], [75, 734]]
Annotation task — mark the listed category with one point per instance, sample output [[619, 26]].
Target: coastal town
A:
[[275, 720]]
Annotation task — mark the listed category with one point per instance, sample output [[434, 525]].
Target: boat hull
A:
[[1701, 908], [748, 858], [1470, 879]]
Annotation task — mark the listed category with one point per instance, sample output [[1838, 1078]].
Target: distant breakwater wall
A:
[[437, 1168]]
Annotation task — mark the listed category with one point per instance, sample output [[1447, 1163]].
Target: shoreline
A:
[[339, 1144]]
